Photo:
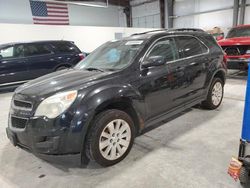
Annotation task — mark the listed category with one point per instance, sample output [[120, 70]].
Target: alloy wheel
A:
[[217, 93], [115, 139]]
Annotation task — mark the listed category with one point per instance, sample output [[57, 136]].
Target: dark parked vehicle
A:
[[118, 92], [21, 62]]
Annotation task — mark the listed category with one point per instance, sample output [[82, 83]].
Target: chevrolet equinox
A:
[[120, 90]]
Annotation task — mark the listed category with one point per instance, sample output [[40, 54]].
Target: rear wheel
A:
[[110, 138], [61, 68], [215, 95]]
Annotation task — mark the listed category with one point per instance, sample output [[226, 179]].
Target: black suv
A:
[[20, 62], [120, 90]]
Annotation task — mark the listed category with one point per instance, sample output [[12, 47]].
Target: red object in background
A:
[[81, 56], [219, 37], [237, 47]]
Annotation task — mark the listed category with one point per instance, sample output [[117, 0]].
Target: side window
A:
[[7, 52], [36, 49], [190, 46], [64, 47], [18, 50], [165, 48], [12, 51]]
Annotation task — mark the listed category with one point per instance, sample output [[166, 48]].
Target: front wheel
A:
[[215, 94], [110, 138]]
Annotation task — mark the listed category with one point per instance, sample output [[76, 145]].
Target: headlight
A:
[[55, 105], [248, 51]]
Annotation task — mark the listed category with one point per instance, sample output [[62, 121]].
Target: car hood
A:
[[61, 81], [234, 41]]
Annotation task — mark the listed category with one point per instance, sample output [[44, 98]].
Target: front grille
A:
[[22, 104], [235, 50], [18, 122]]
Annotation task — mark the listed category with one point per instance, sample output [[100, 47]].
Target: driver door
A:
[[156, 80]]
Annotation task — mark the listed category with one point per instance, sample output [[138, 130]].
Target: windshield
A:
[[239, 32], [112, 55]]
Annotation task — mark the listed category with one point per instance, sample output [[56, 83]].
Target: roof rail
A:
[[169, 30], [157, 30], [187, 29]]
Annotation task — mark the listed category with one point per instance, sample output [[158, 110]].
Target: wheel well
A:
[[221, 75], [123, 105], [63, 65]]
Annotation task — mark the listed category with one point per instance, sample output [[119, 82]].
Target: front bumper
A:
[[45, 136], [41, 135]]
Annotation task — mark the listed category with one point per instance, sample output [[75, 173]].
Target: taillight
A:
[[81, 56]]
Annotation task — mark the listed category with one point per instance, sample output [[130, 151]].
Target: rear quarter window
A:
[[37, 49], [211, 43], [65, 47]]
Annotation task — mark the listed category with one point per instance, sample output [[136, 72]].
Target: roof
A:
[[27, 42]]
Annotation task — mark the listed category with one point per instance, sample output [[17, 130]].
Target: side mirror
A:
[[153, 61]]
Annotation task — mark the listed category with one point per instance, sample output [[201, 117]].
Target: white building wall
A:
[[222, 19], [247, 16], [146, 15], [87, 38], [18, 11]]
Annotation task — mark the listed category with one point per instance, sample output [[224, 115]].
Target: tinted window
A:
[[165, 48], [37, 49], [190, 46], [12, 51], [64, 47], [239, 32]]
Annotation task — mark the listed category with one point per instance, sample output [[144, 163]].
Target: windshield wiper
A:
[[94, 69]]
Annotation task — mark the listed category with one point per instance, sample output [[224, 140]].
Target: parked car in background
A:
[[237, 47], [119, 91], [21, 62]]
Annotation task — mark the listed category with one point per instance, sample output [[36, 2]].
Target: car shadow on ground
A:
[[237, 74]]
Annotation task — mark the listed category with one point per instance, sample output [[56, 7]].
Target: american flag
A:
[[49, 13]]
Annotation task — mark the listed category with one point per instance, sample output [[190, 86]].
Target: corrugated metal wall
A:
[[145, 15]]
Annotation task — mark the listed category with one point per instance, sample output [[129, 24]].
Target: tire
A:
[[61, 68], [244, 176], [215, 95], [106, 143]]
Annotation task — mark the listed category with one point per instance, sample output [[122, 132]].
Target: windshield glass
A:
[[239, 32], [112, 55]]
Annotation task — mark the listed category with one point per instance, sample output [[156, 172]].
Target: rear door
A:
[[40, 59], [67, 52], [191, 69], [13, 65]]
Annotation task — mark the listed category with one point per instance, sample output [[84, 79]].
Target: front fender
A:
[[100, 97]]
